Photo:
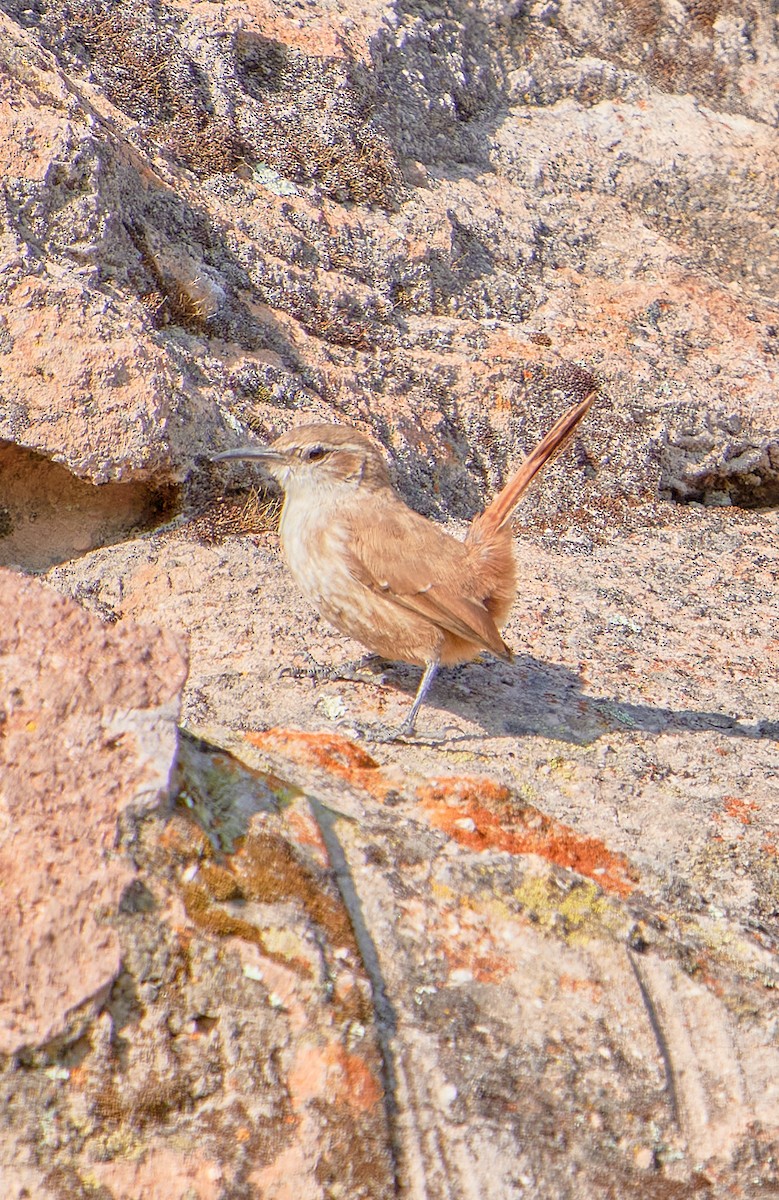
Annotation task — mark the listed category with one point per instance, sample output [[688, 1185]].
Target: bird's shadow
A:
[[529, 697]]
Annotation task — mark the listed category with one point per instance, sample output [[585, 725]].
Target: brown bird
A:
[[382, 573]]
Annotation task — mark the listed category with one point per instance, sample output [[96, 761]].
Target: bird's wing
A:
[[420, 567], [465, 618]]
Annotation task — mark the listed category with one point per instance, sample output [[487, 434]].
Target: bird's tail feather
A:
[[499, 511]]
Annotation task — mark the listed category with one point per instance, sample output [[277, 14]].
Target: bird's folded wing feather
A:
[[465, 618], [408, 576]]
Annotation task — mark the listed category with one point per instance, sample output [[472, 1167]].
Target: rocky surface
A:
[[533, 954], [88, 739]]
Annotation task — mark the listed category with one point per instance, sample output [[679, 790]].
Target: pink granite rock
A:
[[535, 954], [87, 732]]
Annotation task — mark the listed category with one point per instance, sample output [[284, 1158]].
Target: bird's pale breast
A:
[[316, 543]]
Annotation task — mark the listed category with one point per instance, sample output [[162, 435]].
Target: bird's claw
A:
[[309, 669], [357, 671], [379, 734]]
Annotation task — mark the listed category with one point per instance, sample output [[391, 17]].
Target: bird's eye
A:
[[314, 453]]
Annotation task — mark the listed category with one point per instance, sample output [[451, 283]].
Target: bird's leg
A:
[[425, 683], [382, 733]]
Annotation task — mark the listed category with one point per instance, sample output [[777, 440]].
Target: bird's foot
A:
[[360, 670], [380, 734], [368, 669], [309, 668]]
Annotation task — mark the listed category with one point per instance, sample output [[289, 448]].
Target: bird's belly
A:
[[318, 556]]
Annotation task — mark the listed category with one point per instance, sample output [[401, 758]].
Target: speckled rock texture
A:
[[534, 953], [87, 737]]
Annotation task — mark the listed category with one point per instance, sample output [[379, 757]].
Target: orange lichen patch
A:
[[183, 838], [329, 752], [484, 966], [334, 1075], [575, 983], [79, 1077], [740, 810], [701, 969], [306, 832], [501, 402], [483, 815], [183, 934], [355, 1082]]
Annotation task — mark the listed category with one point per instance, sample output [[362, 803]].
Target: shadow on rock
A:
[[533, 698]]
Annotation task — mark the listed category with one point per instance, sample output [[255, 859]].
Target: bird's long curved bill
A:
[[260, 453]]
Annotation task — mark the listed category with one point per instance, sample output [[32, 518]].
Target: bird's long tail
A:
[[499, 511]]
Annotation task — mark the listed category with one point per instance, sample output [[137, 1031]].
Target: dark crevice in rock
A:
[[731, 492], [48, 515], [712, 469]]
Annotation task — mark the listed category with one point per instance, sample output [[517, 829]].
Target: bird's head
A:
[[318, 456]]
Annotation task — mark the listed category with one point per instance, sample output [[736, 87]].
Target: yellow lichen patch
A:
[[562, 767], [286, 945], [579, 914], [442, 892], [497, 910], [483, 815], [580, 983], [462, 758], [585, 906], [722, 943]]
